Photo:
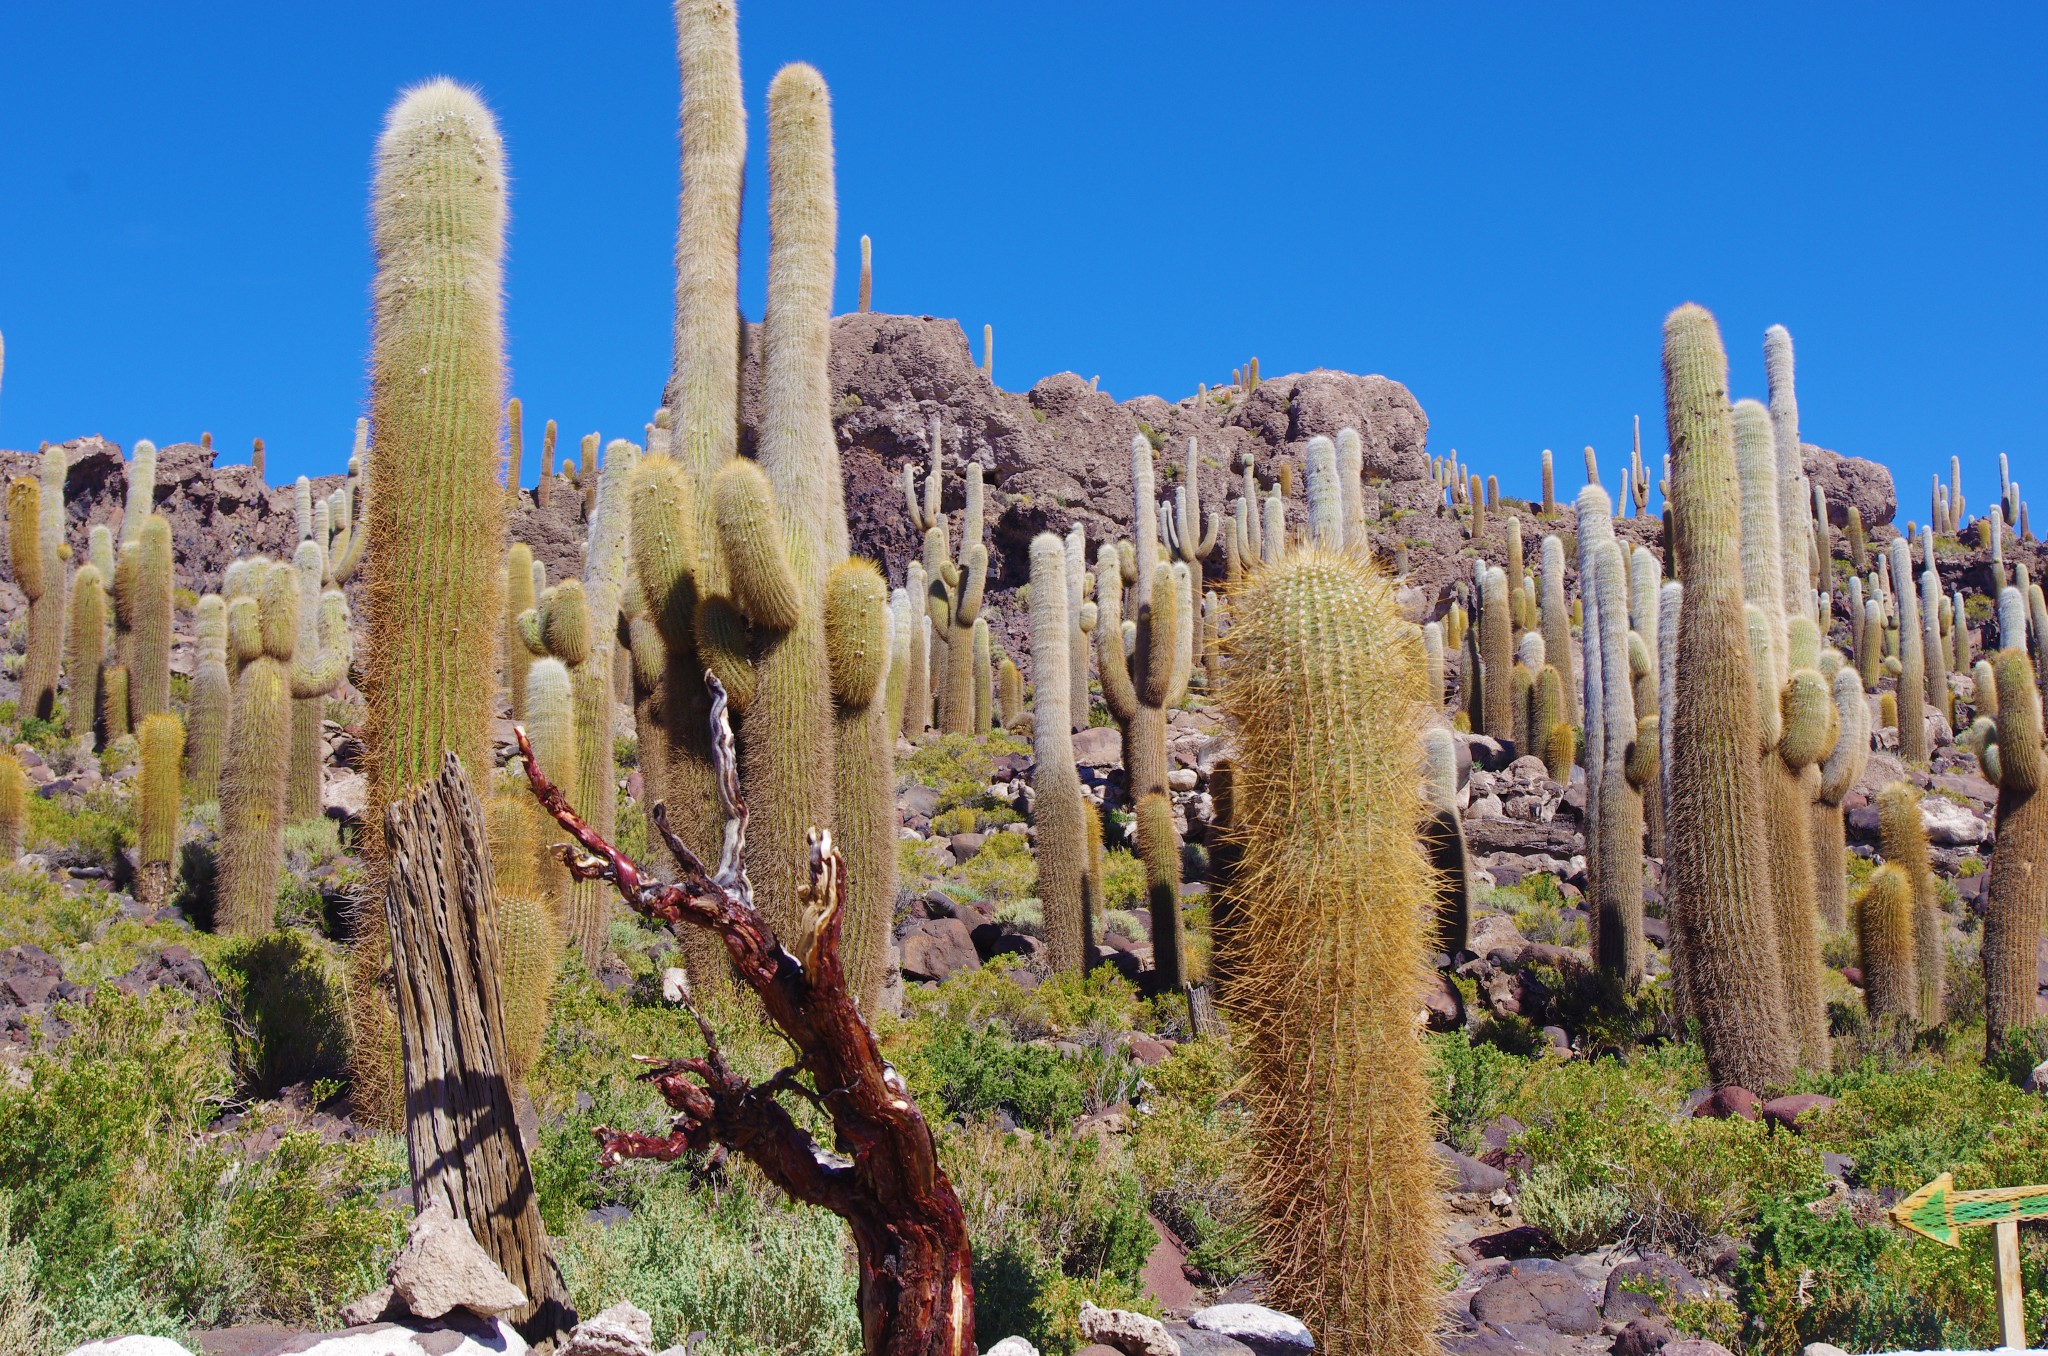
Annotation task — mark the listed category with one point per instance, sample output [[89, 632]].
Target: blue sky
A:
[[1495, 204]]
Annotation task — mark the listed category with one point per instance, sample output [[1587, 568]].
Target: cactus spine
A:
[[1724, 939], [1912, 659], [87, 653], [1496, 657], [1794, 711], [435, 524], [13, 806], [253, 777], [2015, 902], [207, 710], [519, 596], [161, 741], [1058, 807], [1324, 808], [1843, 766], [864, 754]]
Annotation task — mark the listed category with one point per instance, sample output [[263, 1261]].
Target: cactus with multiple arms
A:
[[1725, 943], [258, 762], [1838, 772]]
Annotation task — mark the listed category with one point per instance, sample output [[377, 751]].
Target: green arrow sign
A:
[[1939, 1211]]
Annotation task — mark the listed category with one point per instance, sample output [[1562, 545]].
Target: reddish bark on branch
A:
[[916, 1289]]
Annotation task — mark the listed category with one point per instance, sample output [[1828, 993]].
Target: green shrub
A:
[[1123, 882], [89, 830], [1473, 1085], [290, 993], [1003, 871], [1825, 1278], [964, 1072], [1580, 1215], [1188, 1151]]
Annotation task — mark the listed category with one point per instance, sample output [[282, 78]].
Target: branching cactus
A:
[[1725, 942], [1139, 688], [955, 598], [320, 656], [161, 747], [253, 778], [1325, 800], [1903, 835], [1838, 773], [1058, 807], [142, 583], [1181, 520]]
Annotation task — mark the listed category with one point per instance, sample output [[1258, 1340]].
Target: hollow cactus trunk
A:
[[1724, 937], [1325, 803], [436, 522]]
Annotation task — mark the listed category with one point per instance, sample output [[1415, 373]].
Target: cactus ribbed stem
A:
[[1902, 834], [1617, 840], [856, 621], [1885, 947], [1844, 765], [1496, 657], [1324, 806], [254, 775], [1912, 658], [87, 652], [1730, 975], [1556, 623], [1058, 807], [519, 596], [2015, 900], [160, 744], [13, 806]]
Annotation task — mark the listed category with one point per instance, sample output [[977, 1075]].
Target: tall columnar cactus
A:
[[1838, 773], [519, 596], [1325, 803], [1139, 688], [1159, 849], [1549, 486], [1617, 839], [2014, 899], [917, 678], [1496, 657], [864, 768], [13, 806], [1902, 834], [1058, 807], [318, 664], [1433, 662], [984, 678], [551, 728], [1557, 624], [1795, 516], [253, 778], [1443, 838], [1795, 716], [141, 499], [142, 600], [1912, 658], [207, 709], [1885, 949], [161, 747], [436, 519], [1725, 942], [87, 652], [1933, 645], [955, 598], [33, 576]]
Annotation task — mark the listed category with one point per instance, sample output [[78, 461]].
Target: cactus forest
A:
[[858, 859]]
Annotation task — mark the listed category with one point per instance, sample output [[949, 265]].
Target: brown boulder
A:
[[1851, 480]]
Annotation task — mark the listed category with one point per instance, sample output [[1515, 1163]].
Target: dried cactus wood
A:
[[1725, 938], [1326, 797], [441, 902], [916, 1293]]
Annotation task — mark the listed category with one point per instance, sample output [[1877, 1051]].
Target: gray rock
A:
[[442, 1267], [1197, 1342], [1537, 1293], [1266, 1331], [1468, 1174], [938, 948]]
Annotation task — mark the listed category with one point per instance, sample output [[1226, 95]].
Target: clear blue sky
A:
[[1495, 204]]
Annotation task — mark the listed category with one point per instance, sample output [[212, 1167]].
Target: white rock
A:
[[1181, 779], [1822, 1349], [1950, 824], [622, 1330], [477, 1338], [675, 984], [1266, 1331], [1011, 1346], [136, 1346]]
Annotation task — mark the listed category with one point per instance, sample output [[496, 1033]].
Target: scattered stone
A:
[[1786, 1112], [1722, 1103], [1266, 1331], [1443, 1007], [1950, 824], [1132, 1334], [1164, 1278], [1822, 1349], [1147, 1051], [1198, 1342], [921, 801], [1539, 1292], [1098, 746], [1647, 1287], [381, 1305], [442, 1267], [1469, 1175], [938, 948], [1012, 1346], [1697, 1346], [1523, 1240], [130, 1346], [622, 1330]]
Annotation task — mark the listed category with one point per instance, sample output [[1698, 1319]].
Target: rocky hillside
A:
[[1054, 455]]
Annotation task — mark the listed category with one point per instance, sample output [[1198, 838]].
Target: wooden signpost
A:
[[1941, 1212]]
